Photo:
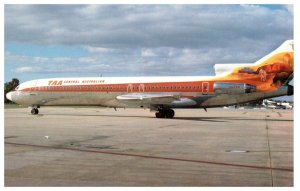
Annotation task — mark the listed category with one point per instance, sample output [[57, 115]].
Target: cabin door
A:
[[205, 87], [129, 88], [141, 88]]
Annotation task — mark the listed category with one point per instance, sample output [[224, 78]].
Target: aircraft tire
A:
[[166, 113], [160, 114], [169, 113], [34, 111]]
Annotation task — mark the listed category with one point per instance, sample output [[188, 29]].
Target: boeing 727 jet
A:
[[233, 84]]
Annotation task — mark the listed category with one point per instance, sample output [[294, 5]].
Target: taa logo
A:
[[54, 83]]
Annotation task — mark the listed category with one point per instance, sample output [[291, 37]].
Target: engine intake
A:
[[233, 88], [290, 90]]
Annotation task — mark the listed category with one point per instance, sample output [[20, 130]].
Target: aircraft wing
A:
[[148, 98]]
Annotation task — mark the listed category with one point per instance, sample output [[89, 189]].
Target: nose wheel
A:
[[34, 111], [165, 113]]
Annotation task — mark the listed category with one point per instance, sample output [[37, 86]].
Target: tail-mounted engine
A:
[[233, 88]]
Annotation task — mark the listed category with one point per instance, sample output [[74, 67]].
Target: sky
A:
[[44, 41]]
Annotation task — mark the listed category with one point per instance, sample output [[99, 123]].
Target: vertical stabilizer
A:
[[268, 73]]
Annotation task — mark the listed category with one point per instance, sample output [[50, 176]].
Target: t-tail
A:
[[268, 73]]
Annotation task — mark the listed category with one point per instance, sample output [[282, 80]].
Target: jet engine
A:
[[233, 88]]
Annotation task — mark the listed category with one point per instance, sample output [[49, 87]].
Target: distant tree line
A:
[[10, 86]]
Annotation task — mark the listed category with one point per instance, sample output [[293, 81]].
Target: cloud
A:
[[98, 49], [26, 69], [148, 53], [144, 26], [151, 62], [290, 8], [144, 39]]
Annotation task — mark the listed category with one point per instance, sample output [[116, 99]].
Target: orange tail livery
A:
[[268, 73]]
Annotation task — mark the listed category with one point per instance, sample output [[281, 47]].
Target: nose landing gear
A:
[[34, 110]]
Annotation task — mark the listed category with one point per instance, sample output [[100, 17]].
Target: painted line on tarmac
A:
[[151, 157]]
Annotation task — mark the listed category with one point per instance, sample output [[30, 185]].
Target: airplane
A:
[[276, 105], [283, 105], [269, 104], [233, 84]]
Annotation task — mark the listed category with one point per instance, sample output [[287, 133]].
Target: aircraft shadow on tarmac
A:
[[210, 119]]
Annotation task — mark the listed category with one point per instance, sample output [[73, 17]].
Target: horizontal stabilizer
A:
[[223, 69]]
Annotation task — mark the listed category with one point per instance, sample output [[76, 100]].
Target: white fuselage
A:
[[174, 92]]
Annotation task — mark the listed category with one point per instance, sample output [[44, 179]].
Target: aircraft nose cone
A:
[[9, 96]]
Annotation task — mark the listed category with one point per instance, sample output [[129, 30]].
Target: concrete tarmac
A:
[[102, 147]]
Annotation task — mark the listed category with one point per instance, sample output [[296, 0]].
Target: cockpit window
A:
[[17, 87]]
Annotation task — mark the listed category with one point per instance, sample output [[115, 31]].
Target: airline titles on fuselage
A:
[[61, 82]]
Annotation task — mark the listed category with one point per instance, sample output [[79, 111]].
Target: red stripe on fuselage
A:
[[133, 87]]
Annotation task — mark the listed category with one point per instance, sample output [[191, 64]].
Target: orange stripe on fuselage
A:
[[134, 87]]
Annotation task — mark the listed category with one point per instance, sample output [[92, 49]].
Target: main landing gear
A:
[[165, 113], [35, 110]]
